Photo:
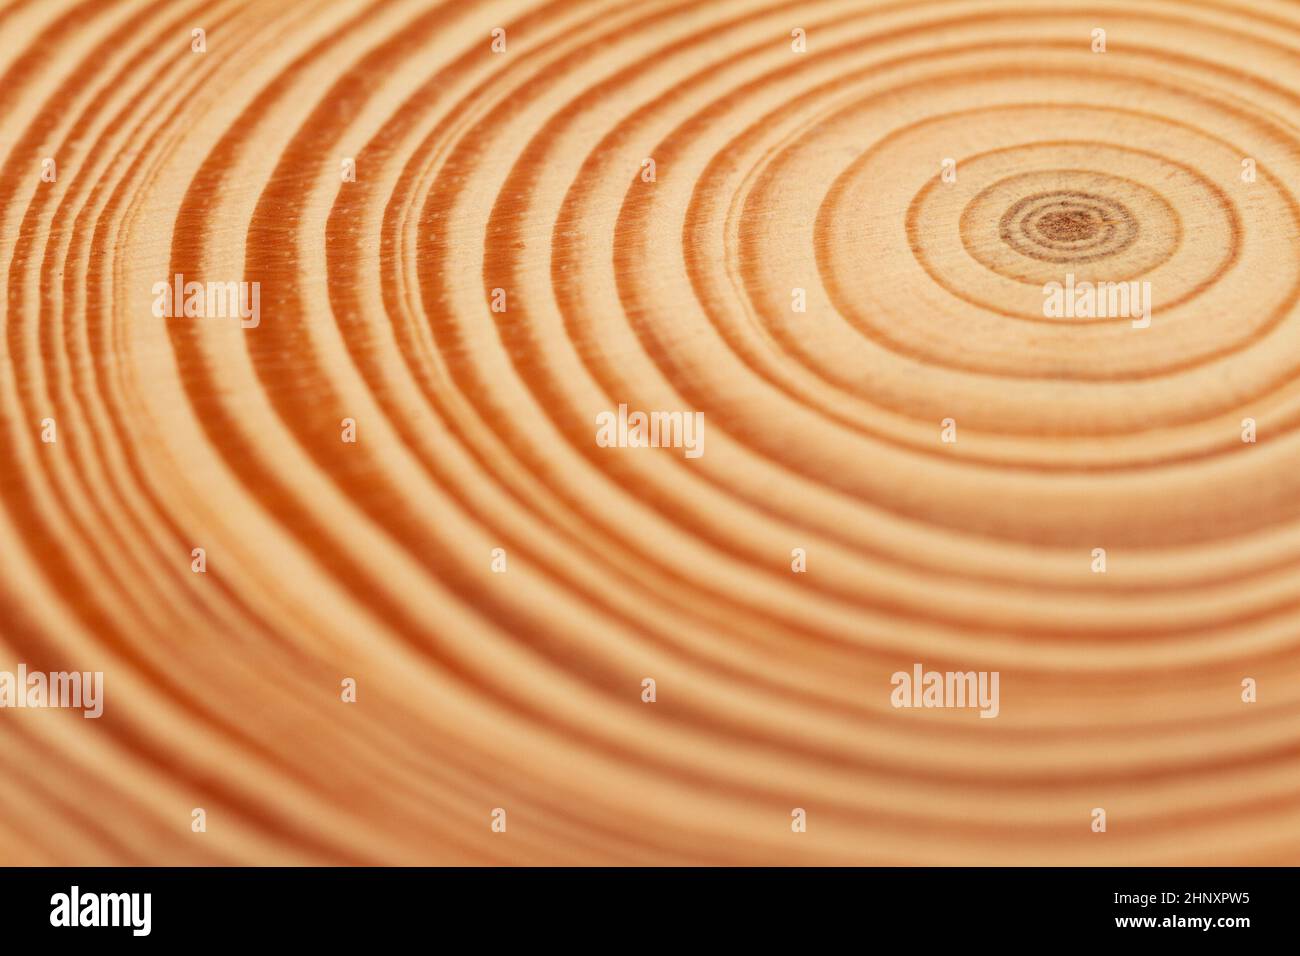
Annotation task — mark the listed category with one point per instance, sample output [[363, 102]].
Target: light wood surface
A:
[[774, 171]]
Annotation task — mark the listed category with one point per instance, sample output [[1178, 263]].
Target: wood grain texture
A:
[[775, 170]]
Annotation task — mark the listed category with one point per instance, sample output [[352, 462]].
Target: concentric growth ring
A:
[[474, 232], [1065, 226]]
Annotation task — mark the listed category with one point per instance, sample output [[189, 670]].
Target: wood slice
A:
[[475, 230]]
